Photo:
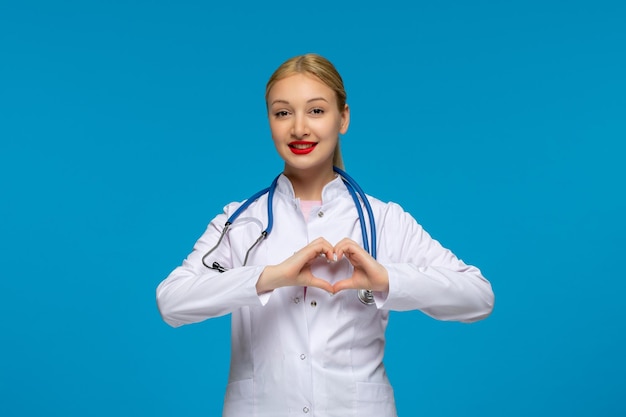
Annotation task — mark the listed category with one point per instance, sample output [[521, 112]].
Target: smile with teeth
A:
[[301, 147]]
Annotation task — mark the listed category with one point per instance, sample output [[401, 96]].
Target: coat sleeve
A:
[[424, 275], [193, 292]]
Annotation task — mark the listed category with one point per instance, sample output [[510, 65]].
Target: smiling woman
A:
[[305, 117], [302, 341], [320, 69]]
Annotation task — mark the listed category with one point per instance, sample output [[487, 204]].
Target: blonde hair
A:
[[325, 71]]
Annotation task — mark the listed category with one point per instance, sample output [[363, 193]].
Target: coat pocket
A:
[[375, 400], [239, 399]]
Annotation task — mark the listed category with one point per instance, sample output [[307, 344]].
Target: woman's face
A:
[[305, 122]]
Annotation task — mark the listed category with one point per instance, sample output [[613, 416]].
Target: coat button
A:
[[303, 356], [320, 214], [305, 410], [296, 300], [313, 303]]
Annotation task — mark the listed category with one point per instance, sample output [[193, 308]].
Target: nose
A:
[[300, 128]]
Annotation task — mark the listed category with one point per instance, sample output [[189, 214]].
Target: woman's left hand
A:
[[368, 273]]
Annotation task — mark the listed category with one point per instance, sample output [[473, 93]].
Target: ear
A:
[[345, 120]]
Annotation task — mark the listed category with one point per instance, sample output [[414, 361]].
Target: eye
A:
[[281, 114], [317, 111]]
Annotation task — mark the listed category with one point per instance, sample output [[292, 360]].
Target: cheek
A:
[[277, 130], [329, 129]]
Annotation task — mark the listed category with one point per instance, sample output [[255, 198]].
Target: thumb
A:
[[344, 284]]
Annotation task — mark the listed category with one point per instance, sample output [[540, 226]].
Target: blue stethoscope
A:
[[365, 296]]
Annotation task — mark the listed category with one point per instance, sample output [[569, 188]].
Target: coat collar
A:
[[331, 191]]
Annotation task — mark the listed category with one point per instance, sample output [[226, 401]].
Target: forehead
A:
[[300, 87]]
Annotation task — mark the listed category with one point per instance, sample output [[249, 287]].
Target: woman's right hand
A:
[[296, 270]]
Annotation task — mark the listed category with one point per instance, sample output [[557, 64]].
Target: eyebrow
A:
[[308, 101]]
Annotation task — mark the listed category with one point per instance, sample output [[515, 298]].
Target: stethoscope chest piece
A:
[[366, 297]]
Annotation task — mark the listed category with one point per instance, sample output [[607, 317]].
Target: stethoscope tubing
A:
[[356, 192], [368, 208]]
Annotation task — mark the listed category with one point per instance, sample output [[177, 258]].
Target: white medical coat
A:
[[316, 355]]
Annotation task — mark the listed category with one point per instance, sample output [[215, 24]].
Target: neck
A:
[[308, 184]]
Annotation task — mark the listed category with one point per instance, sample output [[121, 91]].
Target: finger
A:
[[340, 247], [313, 281], [346, 240], [344, 284], [319, 246], [351, 250], [319, 240], [320, 283]]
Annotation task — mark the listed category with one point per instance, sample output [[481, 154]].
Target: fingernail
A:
[[335, 257]]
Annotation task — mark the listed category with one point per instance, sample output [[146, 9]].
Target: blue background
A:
[[126, 126]]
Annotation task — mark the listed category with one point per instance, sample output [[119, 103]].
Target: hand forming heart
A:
[[296, 270]]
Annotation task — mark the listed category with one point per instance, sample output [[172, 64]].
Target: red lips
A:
[[301, 147]]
